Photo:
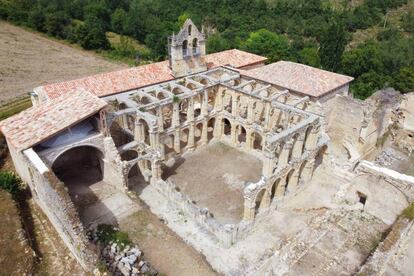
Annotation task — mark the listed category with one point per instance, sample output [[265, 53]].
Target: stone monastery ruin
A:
[[281, 126]]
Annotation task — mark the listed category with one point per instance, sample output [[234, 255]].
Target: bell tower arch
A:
[[187, 51]]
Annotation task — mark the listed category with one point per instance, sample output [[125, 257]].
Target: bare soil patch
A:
[[214, 177], [28, 60]]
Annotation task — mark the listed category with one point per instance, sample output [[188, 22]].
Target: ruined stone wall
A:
[[51, 195]]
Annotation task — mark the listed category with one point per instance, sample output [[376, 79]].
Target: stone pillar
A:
[[248, 214], [139, 134], [154, 139], [250, 112], [298, 146], [233, 134], [156, 170], [190, 110], [218, 128], [204, 133], [249, 141], [190, 142], [218, 105], [235, 104], [293, 181], [267, 121], [286, 121], [204, 105], [160, 119], [265, 201], [267, 169], [312, 139], [177, 145], [280, 189], [307, 172], [284, 155], [176, 115]]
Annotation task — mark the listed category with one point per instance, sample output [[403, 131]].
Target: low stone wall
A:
[[52, 197], [226, 234]]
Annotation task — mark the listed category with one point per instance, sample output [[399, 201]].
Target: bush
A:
[[107, 234], [10, 182], [408, 212]]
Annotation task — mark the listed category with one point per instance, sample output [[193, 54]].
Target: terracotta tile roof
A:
[[118, 81], [301, 78], [234, 57], [38, 123]]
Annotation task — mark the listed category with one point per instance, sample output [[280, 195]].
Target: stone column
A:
[[250, 112], [160, 119], [284, 155], [204, 105], [233, 134], [265, 201], [156, 170], [190, 142], [312, 139], [280, 189], [190, 110], [298, 146], [293, 181], [177, 145], [267, 121], [287, 119], [154, 139], [176, 115], [307, 172], [248, 214], [204, 133], [139, 134], [218, 128], [235, 104], [249, 141]]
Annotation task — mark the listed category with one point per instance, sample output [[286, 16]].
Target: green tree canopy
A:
[[333, 44]]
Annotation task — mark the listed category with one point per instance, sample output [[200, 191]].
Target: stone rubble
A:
[[128, 261]]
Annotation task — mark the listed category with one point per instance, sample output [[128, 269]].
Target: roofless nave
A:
[[133, 126]]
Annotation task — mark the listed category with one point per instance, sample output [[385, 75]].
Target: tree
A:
[[36, 20], [216, 43], [333, 44], [310, 56], [263, 42], [118, 21], [92, 34], [367, 57], [404, 80]]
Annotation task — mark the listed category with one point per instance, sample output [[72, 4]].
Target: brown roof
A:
[[301, 78], [38, 123], [118, 81]]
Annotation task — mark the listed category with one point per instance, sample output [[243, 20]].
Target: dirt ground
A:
[[214, 177], [28, 60]]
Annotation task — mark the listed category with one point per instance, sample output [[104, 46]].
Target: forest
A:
[[320, 33]]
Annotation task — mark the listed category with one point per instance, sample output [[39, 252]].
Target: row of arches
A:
[[282, 186], [242, 138]]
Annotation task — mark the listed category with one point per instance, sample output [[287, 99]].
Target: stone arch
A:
[[167, 113], [198, 130], [185, 48], [307, 140], [162, 95], [119, 135], [183, 110], [195, 45], [177, 90], [145, 99], [143, 131], [273, 188], [197, 105], [204, 81], [135, 177], [302, 173], [288, 179], [236, 82], [241, 134], [129, 155], [210, 128], [169, 145], [191, 86], [184, 137], [226, 127], [258, 201], [257, 141]]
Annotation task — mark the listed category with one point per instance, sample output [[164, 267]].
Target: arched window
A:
[[185, 46], [189, 29], [195, 45]]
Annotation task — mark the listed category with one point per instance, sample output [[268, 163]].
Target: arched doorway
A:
[[136, 180], [81, 170]]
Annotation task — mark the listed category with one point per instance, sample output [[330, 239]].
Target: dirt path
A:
[[165, 251], [28, 60]]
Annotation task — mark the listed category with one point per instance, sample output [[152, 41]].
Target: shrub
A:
[[10, 182], [107, 234], [408, 212]]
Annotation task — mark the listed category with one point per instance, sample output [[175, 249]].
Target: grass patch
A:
[[408, 212], [10, 182], [14, 107], [107, 234]]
